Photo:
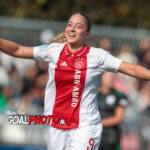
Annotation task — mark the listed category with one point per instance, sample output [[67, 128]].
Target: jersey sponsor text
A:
[[75, 92]]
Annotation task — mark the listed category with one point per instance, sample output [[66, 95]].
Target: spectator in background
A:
[[126, 82], [3, 101], [28, 80], [137, 115], [6, 102], [6, 61], [5, 89], [146, 59], [33, 89], [4, 77], [45, 35], [106, 44], [126, 54], [144, 98], [144, 46], [111, 105], [42, 68], [16, 82]]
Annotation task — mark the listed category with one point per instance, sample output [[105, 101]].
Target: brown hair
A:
[[88, 20], [61, 37]]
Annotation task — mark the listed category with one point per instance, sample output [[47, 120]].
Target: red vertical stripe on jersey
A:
[[70, 75]]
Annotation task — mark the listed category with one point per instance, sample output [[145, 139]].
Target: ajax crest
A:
[[79, 64]]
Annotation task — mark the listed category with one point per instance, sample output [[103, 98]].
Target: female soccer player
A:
[[75, 71], [111, 104]]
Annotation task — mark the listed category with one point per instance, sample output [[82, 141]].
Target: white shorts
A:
[[83, 138]]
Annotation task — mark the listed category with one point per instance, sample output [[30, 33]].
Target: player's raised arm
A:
[[15, 50], [134, 70]]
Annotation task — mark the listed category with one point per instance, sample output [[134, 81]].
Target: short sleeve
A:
[[110, 63], [42, 53], [123, 101]]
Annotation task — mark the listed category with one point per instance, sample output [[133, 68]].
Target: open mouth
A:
[[71, 35]]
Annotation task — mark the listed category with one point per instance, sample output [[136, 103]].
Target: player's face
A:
[[76, 31], [107, 79]]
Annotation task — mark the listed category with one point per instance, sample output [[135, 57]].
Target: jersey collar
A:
[[77, 53]]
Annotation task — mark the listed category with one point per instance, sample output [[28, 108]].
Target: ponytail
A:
[[60, 38]]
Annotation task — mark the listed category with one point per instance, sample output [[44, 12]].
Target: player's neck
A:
[[74, 48]]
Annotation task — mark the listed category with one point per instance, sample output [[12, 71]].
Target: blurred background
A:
[[121, 27]]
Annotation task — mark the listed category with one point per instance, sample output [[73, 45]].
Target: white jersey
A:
[[71, 91]]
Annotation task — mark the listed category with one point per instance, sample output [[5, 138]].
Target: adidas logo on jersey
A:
[[63, 64]]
